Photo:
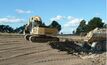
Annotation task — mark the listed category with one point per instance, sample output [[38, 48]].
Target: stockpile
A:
[[70, 46]]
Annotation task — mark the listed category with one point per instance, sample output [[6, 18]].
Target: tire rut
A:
[[25, 54]]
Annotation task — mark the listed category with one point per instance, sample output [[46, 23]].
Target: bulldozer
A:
[[36, 31], [97, 39]]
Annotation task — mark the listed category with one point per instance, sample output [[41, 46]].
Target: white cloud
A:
[[11, 20], [97, 14], [69, 23], [70, 17], [105, 21], [57, 18], [72, 21], [20, 11]]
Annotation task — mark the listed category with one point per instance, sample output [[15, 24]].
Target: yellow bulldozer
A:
[[36, 31]]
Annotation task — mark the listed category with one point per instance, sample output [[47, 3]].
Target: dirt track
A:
[[14, 50]]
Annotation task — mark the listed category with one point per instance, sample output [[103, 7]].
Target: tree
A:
[[55, 24], [73, 32], [42, 25], [95, 22], [6, 28], [81, 27], [105, 26], [20, 29]]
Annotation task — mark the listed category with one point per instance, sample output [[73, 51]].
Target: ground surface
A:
[[14, 50]]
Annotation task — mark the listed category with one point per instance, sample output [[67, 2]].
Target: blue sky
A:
[[67, 12]]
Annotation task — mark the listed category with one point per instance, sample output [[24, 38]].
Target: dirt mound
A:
[[72, 47]]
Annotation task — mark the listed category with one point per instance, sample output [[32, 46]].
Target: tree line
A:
[[82, 27], [9, 29], [95, 22]]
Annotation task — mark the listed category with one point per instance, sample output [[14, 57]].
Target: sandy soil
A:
[[14, 50]]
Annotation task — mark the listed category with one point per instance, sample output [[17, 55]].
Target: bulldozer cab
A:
[[36, 21]]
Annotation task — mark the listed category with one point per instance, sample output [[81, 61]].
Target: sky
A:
[[68, 13]]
